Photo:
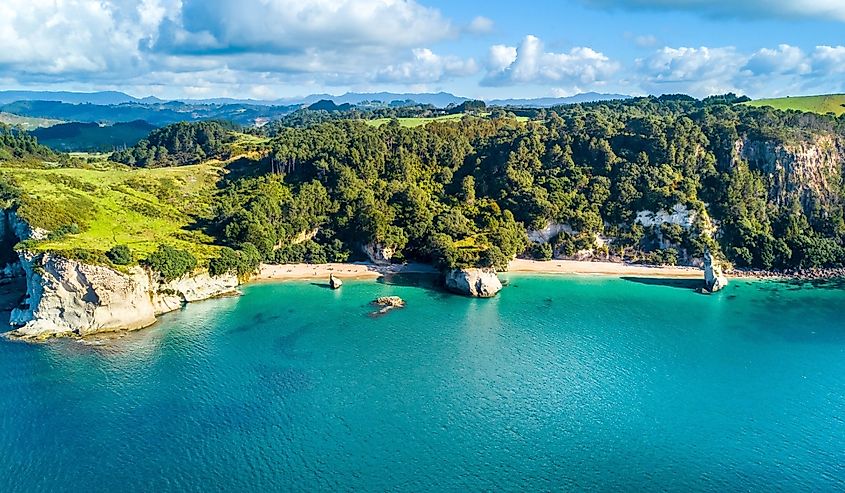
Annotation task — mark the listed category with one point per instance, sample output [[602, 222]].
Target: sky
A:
[[271, 49]]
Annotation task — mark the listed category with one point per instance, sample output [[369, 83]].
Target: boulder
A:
[[334, 282], [476, 282], [714, 280]]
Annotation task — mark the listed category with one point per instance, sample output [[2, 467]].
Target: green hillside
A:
[[829, 103], [100, 208]]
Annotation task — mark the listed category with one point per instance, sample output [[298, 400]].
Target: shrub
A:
[[171, 263], [119, 255]]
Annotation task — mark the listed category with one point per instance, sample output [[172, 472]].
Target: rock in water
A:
[[476, 282], [390, 302], [714, 280], [334, 282]]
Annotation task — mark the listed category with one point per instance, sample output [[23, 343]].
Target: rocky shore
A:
[[789, 274]]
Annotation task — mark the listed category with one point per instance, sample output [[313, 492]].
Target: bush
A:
[[171, 263], [119, 255], [242, 263]]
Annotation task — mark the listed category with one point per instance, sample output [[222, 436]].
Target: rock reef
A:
[[475, 282]]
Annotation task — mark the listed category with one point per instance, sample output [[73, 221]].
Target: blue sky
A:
[[270, 49]]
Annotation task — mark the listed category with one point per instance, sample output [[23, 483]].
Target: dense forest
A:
[[178, 145], [16, 145], [465, 193], [653, 180]]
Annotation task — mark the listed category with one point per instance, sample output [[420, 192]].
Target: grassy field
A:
[[26, 122], [831, 103], [140, 208], [416, 122]]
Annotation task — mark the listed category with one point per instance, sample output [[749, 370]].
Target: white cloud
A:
[[789, 9], [784, 59], [829, 59], [481, 25], [698, 71], [531, 64], [427, 67]]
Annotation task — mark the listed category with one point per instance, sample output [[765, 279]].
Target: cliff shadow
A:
[[428, 282], [688, 284]]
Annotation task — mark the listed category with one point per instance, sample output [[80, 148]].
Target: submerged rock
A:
[[714, 280], [476, 282], [334, 282], [387, 303]]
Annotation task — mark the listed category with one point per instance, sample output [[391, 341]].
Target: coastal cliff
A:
[[66, 297]]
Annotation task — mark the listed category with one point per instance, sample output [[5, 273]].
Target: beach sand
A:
[[559, 267]]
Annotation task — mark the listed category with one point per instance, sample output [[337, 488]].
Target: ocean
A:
[[557, 384]]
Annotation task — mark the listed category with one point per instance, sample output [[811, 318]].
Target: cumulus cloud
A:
[[789, 9], [427, 67], [122, 42], [530, 63], [699, 71], [702, 71]]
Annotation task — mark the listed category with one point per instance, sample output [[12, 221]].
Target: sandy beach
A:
[[602, 268], [559, 267]]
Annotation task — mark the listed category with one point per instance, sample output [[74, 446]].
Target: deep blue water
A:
[[557, 384]]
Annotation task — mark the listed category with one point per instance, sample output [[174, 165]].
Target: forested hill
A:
[[16, 145], [655, 180], [760, 186]]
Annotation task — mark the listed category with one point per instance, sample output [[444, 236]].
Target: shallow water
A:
[[557, 384]]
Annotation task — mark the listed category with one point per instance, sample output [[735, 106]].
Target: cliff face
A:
[[811, 170], [65, 297]]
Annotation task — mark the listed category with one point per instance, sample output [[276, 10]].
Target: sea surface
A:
[[557, 384]]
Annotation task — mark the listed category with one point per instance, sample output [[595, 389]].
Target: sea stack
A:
[[475, 282], [714, 280], [334, 282]]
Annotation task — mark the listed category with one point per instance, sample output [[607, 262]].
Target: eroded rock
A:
[[475, 282]]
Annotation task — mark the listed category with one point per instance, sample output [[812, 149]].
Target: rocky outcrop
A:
[[549, 233], [65, 297], [679, 215], [377, 253], [476, 282], [334, 282], [714, 280]]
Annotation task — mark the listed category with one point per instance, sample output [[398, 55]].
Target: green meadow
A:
[[141, 208], [829, 103]]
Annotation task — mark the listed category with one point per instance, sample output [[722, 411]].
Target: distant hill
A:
[[158, 114], [92, 137], [587, 97], [440, 99], [826, 103], [103, 97], [329, 105]]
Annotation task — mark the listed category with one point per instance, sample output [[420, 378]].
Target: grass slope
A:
[[830, 103], [25, 122], [137, 207]]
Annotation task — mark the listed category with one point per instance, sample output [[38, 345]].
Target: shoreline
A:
[[361, 270]]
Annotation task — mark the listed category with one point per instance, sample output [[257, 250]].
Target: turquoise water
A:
[[557, 384]]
